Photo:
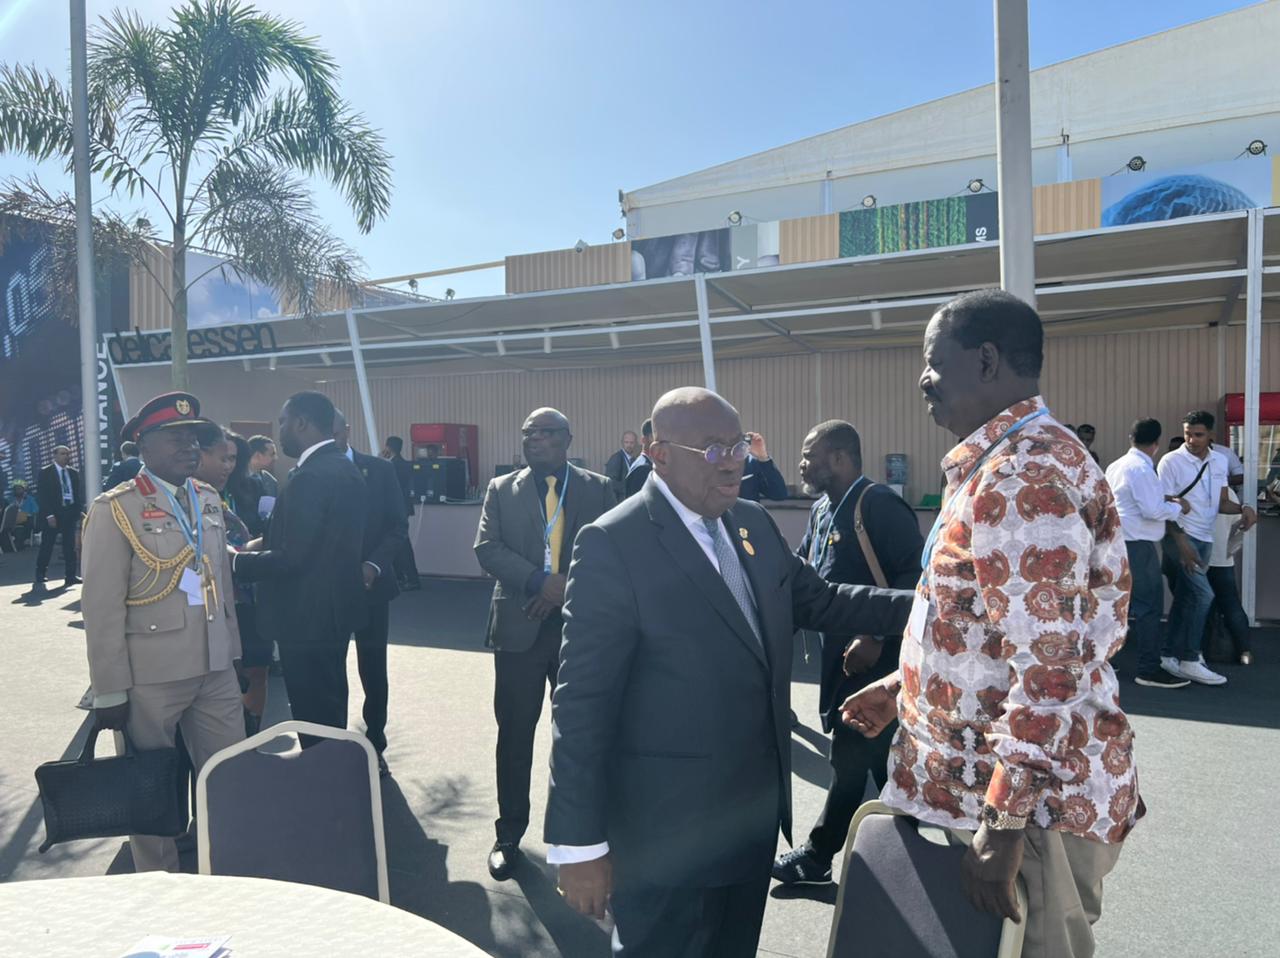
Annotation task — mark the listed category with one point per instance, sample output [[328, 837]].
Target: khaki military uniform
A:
[[148, 640]]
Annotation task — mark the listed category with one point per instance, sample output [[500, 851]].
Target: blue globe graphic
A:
[[1173, 196]]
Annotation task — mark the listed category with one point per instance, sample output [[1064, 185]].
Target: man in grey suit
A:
[[525, 541], [671, 751]]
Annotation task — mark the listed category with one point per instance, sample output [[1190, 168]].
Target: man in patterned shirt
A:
[[1011, 733]]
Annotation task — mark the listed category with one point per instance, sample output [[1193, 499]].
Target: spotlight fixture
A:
[[735, 218], [1256, 148], [502, 347], [868, 202], [579, 246], [546, 342], [1137, 164], [614, 342], [976, 185], [326, 359], [271, 364], [248, 366], [619, 233], [449, 294], [413, 285]]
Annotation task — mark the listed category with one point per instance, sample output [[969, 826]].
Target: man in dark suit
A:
[[850, 503], [312, 595], [61, 503], [619, 463], [385, 531], [642, 465], [760, 476], [124, 470], [406, 565], [525, 541], [671, 751]]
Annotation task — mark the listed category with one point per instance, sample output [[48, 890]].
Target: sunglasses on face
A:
[[541, 432]]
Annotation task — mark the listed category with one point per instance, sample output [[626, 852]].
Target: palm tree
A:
[[188, 119]]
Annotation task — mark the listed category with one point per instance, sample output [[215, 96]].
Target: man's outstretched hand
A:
[[988, 870], [873, 709], [586, 886]]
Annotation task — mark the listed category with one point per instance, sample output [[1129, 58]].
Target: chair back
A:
[[312, 815], [900, 896]]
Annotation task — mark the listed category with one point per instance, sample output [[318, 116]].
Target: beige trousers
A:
[[1063, 874], [208, 710]]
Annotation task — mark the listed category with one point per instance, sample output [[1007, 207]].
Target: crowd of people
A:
[[968, 672]]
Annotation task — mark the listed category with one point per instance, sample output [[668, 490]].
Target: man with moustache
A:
[[1010, 730], [864, 533], [159, 610], [525, 540], [671, 756]]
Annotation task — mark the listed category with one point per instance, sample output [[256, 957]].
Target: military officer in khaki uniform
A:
[[159, 610]]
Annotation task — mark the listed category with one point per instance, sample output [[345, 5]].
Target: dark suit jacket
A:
[[672, 733], [49, 495], [617, 466], [386, 529], [404, 476], [122, 471], [311, 585], [762, 480], [895, 536], [636, 477], [509, 544]]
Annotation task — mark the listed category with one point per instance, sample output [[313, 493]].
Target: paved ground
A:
[[1191, 881]]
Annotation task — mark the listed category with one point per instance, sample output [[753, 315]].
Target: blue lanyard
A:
[[822, 543], [927, 556], [195, 538], [550, 524]]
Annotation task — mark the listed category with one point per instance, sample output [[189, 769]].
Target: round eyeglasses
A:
[[717, 453]]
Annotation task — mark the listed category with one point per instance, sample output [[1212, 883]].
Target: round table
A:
[[106, 916]]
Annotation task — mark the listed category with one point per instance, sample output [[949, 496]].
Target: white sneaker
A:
[[1170, 664], [1197, 671]]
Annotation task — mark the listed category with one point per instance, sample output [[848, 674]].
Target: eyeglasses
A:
[[541, 432], [716, 452]]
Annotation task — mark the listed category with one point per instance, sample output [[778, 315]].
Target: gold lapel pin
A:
[[748, 548], [742, 532]]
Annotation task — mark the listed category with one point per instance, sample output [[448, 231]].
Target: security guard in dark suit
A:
[[525, 541], [862, 533]]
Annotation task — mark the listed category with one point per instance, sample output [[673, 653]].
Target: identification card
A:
[[546, 558], [191, 585], [919, 615]]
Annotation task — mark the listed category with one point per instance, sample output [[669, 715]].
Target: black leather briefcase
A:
[[138, 793]]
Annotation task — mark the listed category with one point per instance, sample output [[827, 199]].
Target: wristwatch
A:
[[999, 821]]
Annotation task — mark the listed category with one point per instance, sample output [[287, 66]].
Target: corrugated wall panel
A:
[[810, 239], [569, 269], [1067, 207], [1105, 380], [149, 307]]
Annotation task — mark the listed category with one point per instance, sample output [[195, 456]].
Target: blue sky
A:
[[513, 123]]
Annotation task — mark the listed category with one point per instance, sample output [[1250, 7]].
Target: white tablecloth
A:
[[103, 917]]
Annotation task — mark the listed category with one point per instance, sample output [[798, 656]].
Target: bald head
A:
[[546, 436], [686, 422]]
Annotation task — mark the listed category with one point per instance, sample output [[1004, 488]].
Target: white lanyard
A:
[[822, 543]]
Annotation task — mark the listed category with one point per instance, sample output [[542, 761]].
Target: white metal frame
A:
[[1011, 933], [270, 734]]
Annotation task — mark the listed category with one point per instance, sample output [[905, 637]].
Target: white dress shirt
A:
[[572, 854], [1234, 466], [1178, 470], [634, 464], [1140, 497], [310, 449]]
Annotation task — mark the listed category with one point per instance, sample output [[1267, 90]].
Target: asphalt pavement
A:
[[1194, 878]]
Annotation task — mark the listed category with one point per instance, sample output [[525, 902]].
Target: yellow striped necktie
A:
[[557, 530]]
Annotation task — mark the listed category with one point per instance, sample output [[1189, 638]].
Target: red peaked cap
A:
[[169, 409]]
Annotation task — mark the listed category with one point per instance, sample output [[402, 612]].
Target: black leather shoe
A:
[[385, 772], [71, 580], [502, 860]]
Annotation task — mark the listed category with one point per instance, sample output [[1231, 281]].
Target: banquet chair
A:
[[900, 897], [312, 815]]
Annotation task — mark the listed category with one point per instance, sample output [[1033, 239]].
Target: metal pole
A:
[[704, 332], [371, 427], [1252, 388], [1013, 151], [92, 454]]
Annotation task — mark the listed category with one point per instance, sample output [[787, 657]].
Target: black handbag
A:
[[137, 793]]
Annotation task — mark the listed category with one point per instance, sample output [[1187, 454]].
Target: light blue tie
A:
[[734, 577]]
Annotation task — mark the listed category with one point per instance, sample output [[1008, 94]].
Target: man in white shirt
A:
[[1197, 473], [1144, 509]]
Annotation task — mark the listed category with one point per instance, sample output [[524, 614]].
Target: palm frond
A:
[[35, 113]]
